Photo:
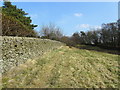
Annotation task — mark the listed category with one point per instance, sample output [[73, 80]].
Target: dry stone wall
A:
[[16, 50]]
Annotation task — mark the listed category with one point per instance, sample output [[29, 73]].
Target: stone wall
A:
[[16, 50]]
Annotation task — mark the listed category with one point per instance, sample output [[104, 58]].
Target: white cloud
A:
[[97, 27], [87, 26], [78, 14], [83, 26]]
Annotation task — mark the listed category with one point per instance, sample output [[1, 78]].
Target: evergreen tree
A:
[[15, 22], [18, 14]]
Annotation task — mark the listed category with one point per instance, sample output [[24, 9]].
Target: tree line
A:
[[107, 36]]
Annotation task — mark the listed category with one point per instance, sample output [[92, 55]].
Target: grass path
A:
[[66, 68]]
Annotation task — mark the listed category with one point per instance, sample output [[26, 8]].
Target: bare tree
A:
[[51, 31]]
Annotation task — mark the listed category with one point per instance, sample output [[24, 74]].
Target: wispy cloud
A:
[[97, 27], [87, 26], [78, 14], [33, 16], [79, 26]]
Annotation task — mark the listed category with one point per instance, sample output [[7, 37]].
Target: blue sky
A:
[[119, 10], [71, 16]]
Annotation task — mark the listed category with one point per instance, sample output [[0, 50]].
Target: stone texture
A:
[[16, 50]]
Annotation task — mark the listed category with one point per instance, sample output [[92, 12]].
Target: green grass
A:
[[66, 68]]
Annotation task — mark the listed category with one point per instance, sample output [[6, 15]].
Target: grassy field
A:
[[66, 68]]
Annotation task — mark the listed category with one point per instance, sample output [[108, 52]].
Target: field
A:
[[66, 68]]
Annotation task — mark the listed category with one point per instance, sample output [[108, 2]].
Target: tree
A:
[[76, 38], [82, 37], [15, 22], [51, 32], [118, 31], [68, 41], [109, 34], [13, 27], [18, 14]]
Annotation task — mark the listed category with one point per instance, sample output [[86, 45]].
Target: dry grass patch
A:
[[66, 68]]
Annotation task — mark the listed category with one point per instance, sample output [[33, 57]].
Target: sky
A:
[[119, 10], [71, 16]]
